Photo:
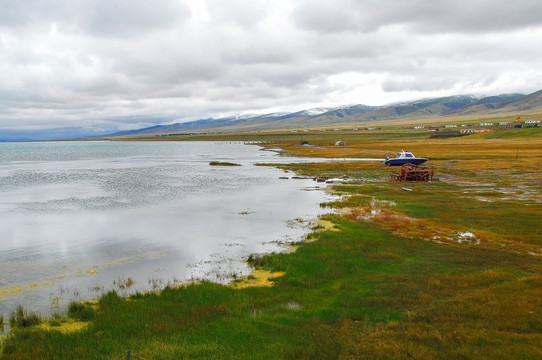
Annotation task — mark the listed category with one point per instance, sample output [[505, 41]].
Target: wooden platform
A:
[[411, 172]]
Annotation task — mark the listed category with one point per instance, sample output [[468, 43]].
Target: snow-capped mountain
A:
[[435, 108]]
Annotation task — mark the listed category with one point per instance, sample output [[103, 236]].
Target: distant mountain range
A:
[[451, 107], [436, 108], [49, 134]]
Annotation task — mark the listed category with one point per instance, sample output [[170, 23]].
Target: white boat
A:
[[403, 157]]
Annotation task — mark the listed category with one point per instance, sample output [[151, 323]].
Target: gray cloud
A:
[[99, 17], [419, 15], [123, 64]]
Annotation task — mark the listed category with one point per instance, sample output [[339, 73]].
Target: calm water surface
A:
[[81, 218]]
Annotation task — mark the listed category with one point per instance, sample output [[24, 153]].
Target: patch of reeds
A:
[[124, 283], [21, 318], [56, 319], [81, 311]]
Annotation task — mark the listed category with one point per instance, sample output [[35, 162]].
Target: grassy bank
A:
[[449, 270], [358, 291]]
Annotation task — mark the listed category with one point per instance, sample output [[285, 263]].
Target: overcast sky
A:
[[124, 64]]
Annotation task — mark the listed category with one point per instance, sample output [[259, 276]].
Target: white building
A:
[[473, 131]]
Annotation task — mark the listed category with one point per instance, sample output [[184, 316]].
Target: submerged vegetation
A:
[[449, 270], [222, 163]]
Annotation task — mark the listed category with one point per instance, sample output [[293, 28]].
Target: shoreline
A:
[[90, 271], [375, 289]]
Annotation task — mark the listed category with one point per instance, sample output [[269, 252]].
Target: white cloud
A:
[[122, 64]]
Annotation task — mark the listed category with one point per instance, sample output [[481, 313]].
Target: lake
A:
[[80, 218]]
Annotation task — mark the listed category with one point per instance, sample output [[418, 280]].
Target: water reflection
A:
[[78, 218]]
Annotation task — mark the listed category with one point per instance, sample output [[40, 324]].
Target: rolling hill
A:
[[451, 107], [434, 110]]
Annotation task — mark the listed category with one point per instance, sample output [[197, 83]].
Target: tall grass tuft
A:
[[22, 318], [55, 319], [80, 311]]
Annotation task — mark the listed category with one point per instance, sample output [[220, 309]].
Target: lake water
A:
[[80, 218]]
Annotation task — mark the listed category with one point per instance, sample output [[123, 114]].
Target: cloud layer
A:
[[122, 64]]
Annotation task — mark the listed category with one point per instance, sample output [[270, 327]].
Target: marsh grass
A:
[[484, 188], [123, 283], [510, 221], [56, 319], [21, 318], [360, 292], [81, 311]]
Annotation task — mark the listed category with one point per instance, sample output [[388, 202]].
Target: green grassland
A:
[[355, 132], [395, 278]]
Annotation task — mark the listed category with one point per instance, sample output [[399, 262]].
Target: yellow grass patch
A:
[[66, 327], [330, 151], [325, 225], [463, 148], [258, 278]]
